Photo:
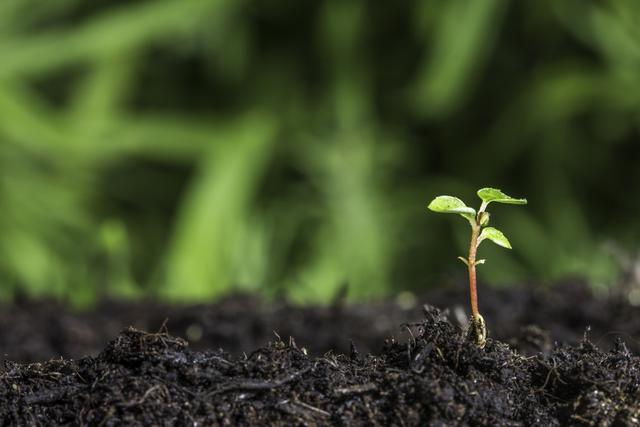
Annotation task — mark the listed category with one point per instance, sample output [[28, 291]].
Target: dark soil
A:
[[438, 378], [423, 373], [527, 318]]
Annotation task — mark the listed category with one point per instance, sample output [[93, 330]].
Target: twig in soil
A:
[[410, 343], [355, 389], [75, 371], [581, 419], [163, 327], [146, 395], [296, 407], [312, 408], [259, 385], [552, 370], [329, 362], [221, 360]]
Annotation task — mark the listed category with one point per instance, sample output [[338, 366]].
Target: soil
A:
[[429, 374], [527, 318]]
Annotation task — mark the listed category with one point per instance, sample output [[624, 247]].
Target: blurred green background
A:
[[184, 149]]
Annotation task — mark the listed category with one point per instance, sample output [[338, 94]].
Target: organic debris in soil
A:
[[437, 378]]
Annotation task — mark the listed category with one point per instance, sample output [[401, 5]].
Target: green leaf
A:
[[463, 259], [489, 195], [495, 236], [449, 204]]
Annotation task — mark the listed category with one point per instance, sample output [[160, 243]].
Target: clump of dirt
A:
[[436, 378]]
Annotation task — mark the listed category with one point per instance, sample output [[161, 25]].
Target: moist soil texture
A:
[[557, 356], [439, 377]]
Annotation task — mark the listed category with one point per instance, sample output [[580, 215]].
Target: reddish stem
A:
[[473, 246]]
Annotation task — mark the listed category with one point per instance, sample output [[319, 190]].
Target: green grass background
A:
[[183, 149]]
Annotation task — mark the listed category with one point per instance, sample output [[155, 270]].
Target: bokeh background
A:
[[184, 149]]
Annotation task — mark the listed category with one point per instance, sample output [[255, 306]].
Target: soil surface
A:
[[528, 318], [436, 378]]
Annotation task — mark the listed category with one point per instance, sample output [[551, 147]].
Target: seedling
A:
[[479, 232]]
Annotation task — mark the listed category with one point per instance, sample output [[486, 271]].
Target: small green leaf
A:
[[450, 204], [489, 195], [480, 261], [463, 259], [495, 236]]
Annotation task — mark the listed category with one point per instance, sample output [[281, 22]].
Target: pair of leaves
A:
[[450, 204]]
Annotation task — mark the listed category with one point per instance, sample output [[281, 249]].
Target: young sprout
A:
[[479, 232]]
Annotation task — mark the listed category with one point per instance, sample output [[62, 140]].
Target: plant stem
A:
[[473, 247], [477, 321]]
